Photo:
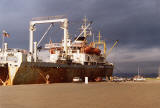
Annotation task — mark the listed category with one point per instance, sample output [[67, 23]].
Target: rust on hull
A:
[[39, 73], [3, 73]]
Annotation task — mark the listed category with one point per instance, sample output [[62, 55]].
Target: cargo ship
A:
[[67, 59]]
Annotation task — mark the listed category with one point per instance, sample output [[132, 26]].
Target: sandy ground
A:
[[79, 95]]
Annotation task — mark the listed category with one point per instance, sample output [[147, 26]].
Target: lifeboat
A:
[[52, 51], [91, 50], [97, 51]]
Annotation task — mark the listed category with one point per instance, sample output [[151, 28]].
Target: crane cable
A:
[[45, 33]]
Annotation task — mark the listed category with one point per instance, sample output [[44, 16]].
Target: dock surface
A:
[[80, 95]]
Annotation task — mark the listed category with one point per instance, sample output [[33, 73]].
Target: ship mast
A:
[[85, 29], [159, 71], [138, 71], [4, 34]]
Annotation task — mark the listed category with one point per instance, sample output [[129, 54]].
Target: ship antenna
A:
[[84, 26], [93, 38]]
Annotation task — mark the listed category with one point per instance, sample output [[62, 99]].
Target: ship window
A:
[[1, 58], [12, 58], [88, 58], [81, 39]]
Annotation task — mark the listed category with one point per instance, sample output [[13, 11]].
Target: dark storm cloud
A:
[[132, 22], [135, 23]]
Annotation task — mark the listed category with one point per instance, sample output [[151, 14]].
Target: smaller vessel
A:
[[139, 78]]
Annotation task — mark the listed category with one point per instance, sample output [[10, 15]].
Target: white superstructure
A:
[[77, 51], [12, 56]]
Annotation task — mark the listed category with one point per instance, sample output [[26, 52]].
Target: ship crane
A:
[[100, 42], [112, 48], [45, 20], [45, 34]]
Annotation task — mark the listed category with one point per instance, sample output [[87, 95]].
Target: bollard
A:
[[86, 80], [47, 79]]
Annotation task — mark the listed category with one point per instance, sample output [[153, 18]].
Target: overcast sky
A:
[[135, 23]]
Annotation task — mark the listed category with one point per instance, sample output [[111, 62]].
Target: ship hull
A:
[[42, 72], [3, 73]]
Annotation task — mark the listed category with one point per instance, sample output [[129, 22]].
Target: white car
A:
[[77, 79]]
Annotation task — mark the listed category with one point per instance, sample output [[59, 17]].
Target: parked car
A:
[[77, 79], [118, 79]]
